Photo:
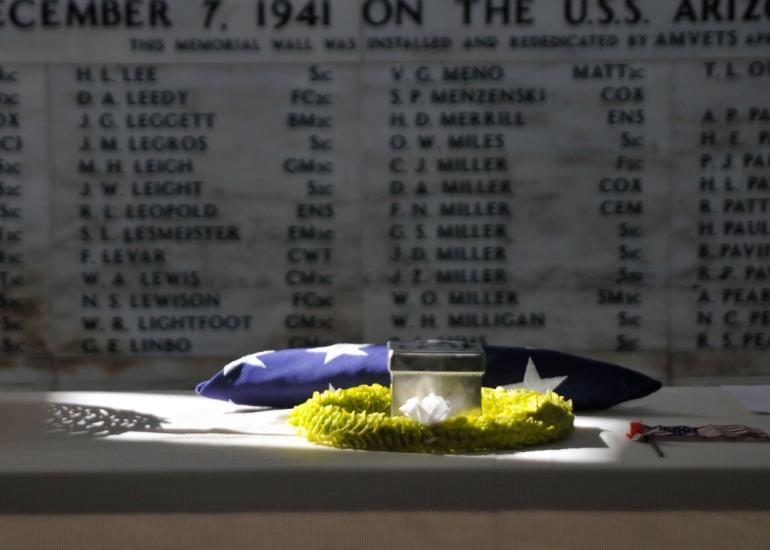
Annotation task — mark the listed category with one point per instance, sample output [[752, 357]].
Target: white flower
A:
[[429, 410]]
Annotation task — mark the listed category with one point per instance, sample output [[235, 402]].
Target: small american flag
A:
[[734, 432]]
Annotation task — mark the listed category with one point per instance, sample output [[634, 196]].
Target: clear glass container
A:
[[447, 368]]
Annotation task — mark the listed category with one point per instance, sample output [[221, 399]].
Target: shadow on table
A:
[[94, 422], [581, 438]]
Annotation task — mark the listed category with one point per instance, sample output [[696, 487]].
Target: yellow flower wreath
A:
[[359, 418]]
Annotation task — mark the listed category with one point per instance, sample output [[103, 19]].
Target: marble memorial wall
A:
[[182, 183]]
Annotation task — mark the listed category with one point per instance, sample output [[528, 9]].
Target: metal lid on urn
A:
[[435, 356]]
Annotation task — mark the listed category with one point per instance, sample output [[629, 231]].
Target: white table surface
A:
[[192, 465]]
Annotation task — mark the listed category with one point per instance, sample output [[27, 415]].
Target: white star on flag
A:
[[532, 380], [252, 359], [338, 350]]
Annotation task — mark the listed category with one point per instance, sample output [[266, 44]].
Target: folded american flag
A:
[[284, 378], [642, 432]]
